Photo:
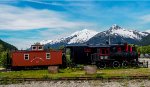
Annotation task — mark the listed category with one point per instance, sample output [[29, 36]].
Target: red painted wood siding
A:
[[36, 58]]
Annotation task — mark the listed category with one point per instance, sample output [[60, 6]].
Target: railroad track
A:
[[74, 78]]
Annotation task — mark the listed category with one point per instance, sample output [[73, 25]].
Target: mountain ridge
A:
[[116, 34], [7, 46], [77, 37]]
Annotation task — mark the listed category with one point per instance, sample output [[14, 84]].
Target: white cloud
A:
[[16, 18], [40, 2], [145, 18], [46, 3], [59, 3]]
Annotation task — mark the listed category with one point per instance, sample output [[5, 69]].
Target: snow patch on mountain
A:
[[51, 41], [45, 41], [82, 36], [117, 30]]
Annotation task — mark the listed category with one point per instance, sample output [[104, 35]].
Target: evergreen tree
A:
[[5, 59]]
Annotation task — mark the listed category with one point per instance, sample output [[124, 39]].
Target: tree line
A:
[[144, 49], [4, 56]]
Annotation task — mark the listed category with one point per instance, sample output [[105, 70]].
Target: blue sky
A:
[[24, 22]]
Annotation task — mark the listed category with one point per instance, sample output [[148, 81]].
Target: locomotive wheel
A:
[[116, 64], [125, 63], [101, 65], [134, 64]]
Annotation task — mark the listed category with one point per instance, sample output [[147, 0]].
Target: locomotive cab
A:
[[78, 54], [104, 53]]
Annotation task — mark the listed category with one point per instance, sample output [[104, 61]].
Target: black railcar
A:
[[115, 55]]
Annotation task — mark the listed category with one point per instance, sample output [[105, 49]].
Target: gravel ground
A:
[[145, 60], [85, 83]]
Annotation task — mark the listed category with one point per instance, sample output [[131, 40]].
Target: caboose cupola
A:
[[37, 47]]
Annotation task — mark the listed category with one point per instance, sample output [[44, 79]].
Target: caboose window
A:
[[26, 56], [34, 48], [40, 48], [47, 55]]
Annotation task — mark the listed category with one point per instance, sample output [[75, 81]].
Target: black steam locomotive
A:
[[115, 55]]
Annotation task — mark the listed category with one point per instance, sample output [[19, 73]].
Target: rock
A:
[[90, 69], [53, 69]]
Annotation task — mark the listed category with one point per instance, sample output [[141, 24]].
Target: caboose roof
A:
[[37, 45]]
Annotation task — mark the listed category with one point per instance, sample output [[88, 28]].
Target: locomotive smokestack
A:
[[126, 47], [108, 41]]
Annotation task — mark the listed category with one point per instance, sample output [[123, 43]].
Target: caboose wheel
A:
[[101, 65], [116, 64], [125, 63]]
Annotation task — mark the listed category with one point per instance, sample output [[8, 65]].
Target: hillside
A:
[[145, 41], [7, 46]]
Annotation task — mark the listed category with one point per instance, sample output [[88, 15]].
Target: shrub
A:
[[5, 59]]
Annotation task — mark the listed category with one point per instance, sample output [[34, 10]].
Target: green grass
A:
[[75, 72], [124, 72], [41, 74], [1, 66]]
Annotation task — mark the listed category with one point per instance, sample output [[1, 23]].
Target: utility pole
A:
[[109, 39]]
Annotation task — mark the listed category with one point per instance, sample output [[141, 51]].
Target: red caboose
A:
[[37, 56]]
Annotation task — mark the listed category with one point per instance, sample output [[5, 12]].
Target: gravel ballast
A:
[[84, 83]]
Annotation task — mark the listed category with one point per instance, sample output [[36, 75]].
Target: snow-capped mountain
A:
[[117, 30], [118, 34], [82, 36], [77, 37]]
